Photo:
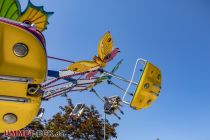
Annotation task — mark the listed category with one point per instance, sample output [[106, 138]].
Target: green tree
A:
[[90, 125]]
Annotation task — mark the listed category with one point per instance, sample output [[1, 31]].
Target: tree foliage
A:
[[90, 125]]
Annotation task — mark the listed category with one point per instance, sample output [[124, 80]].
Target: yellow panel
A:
[[32, 12], [40, 15], [105, 45], [100, 62], [25, 112], [148, 88], [33, 65], [36, 17], [82, 66], [40, 19], [25, 16]]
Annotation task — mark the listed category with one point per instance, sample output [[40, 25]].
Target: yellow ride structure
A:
[[148, 88], [23, 68]]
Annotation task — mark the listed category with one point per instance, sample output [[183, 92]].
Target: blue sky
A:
[[173, 34]]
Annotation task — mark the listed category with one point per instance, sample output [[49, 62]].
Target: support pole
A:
[[120, 78], [104, 125]]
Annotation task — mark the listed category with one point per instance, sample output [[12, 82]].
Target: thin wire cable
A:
[[94, 91], [60, 59], [56, 85], [117, 86]]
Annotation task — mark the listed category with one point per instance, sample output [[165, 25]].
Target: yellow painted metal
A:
[[82, 66], [36, 17], [25, 112], [105, 45], [148, 88], [33, 65]]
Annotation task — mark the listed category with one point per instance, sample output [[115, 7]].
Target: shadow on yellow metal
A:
[[148, 88], [23, 61]]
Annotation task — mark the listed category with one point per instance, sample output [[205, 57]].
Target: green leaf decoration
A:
[[10, 9]]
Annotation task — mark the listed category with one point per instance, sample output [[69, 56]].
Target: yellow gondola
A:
[[148, 88], [23, 68]]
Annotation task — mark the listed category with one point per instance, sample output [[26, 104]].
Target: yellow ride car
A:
[[148, 88], [23, 67]]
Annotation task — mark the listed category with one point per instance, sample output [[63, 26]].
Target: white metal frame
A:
[[143, 62]]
